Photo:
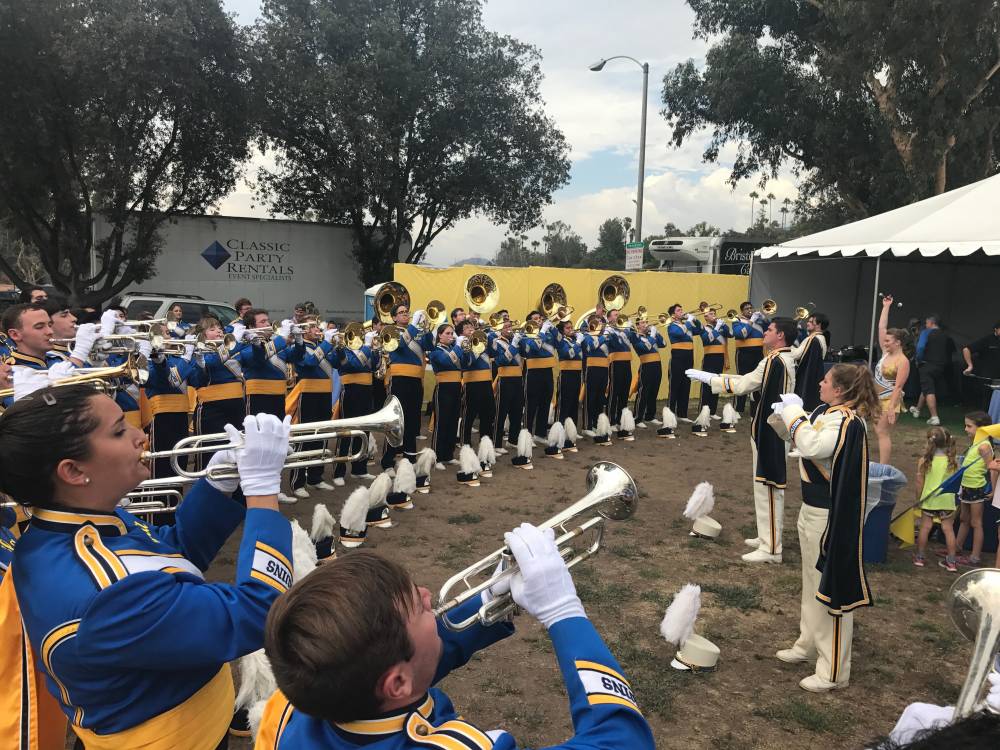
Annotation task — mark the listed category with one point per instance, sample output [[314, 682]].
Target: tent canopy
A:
[[960, 222]]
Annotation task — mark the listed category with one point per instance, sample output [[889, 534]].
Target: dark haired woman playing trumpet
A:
[[134, 643]]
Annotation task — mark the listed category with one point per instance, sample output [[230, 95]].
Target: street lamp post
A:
[[597, 67]]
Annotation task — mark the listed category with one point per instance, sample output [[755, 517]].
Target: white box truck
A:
[[273, 262]]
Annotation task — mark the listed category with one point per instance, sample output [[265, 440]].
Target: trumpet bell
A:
[[354, 336], [769, 307], [482, 294], [614, 293], [802, 313]]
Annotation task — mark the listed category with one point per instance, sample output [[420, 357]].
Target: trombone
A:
[[803, 313], [612, 495], [704, 308], [387, 420]]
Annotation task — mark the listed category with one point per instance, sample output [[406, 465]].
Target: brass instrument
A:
[[612, 495], [175, 347], [144, 325], [388, 420], [387, 341], [476, 343], [974, 601], [529, 329], [482, 294], [705, 307], [596, 324], [135, 368], [732, 315], [553, 303], [613, 293], [803, 313], [387, 297], [496, 320], [769, 307], [435, 315], [353, 336], [227, 343]]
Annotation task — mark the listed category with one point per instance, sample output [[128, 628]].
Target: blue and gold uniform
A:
[[218, 383], [570, 352], [311, 400], [30, 373], [446, 361], [647, 347], [510, 388], [477, 394], [713, 349], [595, 394], [619, 370], [539, 359], [356, 367], [132, 639], [167, 399], [603, 708], [265, 373], [748, 338], [406, 382], [681, 334]]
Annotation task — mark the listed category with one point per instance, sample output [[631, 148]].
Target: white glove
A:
[[238, 330], [919, 717], [993, 697], [228, 486], [460, 340], [757, 317], [286, 329], [418, 318], [791, 399], [543, 586], [515, 340], [86, 335], [262, 455], [369, 338], [689, 318], [652, 331], [778, 408], [330, 333], [579, 337], [188, 351], [298, 338], [720, 325], [701, 375], [199, 359], [546, 326], [144, 348], [109, 322]]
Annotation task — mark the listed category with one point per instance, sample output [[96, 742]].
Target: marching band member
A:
[[748, 333], [372, 686], [478, 401], [126, 393], [6, 379], [29, 329], [539, 358], [63, 326], [595, 352], [646, 341], [809, 356], [236, 326], [264, 365], [510, 386], [774, 375], [619, 368], [175, 321], [218, 382], [166, 394], [312, 397], [406, 381], [680, 331], [380, 391], [569, 344], [108, 602], [358, 396], [833, 444], [713, 346], [445, 359]]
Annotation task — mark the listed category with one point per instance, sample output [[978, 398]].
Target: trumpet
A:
[[175, 347], [803, 313], [732, 315], [769, 307], [145, 325], [215, 346], [388, 420], [353, 336], [612, 495], [974, 601], [529, 329]]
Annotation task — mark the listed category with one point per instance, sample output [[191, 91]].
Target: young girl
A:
[[975, 488], [936, 465]]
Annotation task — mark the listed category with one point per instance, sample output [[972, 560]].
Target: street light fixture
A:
[[597, 67]]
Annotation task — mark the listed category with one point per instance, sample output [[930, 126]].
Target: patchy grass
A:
[[498, 683], [648, 670], [934, 635], [604, 595], [629, 551], [741, 597], [658, 598], [796, 712], [465, 518]]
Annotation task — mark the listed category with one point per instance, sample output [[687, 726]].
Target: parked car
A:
[[154, 305]]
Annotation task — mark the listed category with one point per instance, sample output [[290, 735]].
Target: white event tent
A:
[[940, 255]]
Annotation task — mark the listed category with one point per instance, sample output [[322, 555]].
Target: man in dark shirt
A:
[[987, 366], [933, 359]]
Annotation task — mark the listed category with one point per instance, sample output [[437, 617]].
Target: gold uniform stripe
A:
[[149, 553], [60, 516], [55, 637], [422, 732], [597, 667], [268, 580], [600, 699], [272, 551], [387, 725]]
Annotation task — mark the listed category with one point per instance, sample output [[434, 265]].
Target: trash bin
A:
[[884, 484]]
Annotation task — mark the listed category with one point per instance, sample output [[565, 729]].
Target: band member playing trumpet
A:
[[446, 360], [681, 330], [387, 673], [595, 352], [29, 329], [134, 643], [219, 381], [539, 358], [265, 363], [809, 356], [380, 391], [478, 401], [166, 396], [312, 398], [774, 375], [619, 367], [569, 344], [510, 385], [646, 341], [748, 333], [833, 444], [357, 363], [406, 373], [713, 346]]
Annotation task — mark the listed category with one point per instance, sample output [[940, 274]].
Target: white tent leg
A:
[[871, 335]]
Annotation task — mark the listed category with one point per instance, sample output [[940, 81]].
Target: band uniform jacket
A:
[[648, 343], [773, 375], [833, 439], [682, 332], [30, 374], [132, 639], [603, 708], [809, 369]]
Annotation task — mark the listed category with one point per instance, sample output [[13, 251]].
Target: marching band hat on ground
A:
[[706, 527], [697, 654]]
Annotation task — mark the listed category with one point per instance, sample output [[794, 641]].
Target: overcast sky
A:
[[599, 113]]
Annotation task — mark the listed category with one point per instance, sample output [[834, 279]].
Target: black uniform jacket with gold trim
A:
[[132, 639], [605, 715]]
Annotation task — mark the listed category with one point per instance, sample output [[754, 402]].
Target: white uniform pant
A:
[[769, 503], [822, 636]]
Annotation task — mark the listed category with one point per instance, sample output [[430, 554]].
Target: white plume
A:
[[704, 418], [372, 447], [678, 620], [256, 679], [255, 714], [524, 443], [323, 523], [603, 425], [425, 460], [701, 502], [406, 478], [303, 553], [355, 510], [552, 412], [571, 433], [729, 414], [627, 420], [487, 453], [468, 462], [379, 490], [557, 435], [669, 418]]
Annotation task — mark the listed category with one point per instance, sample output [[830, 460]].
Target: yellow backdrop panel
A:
[[520, 289]]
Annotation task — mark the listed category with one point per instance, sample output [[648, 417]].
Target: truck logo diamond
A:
[[215, 254]]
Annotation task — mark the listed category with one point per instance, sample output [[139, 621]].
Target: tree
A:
[[610, 250], [875, 104], [754, 195], [127, 110], [401, 117], [566, 249], [671, 230], [703, 229]]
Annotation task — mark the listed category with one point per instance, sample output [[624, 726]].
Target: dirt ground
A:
[[905, 647]]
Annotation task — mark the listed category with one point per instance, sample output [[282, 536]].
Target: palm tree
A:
[[753, 200], [770, 213], [763, 205], [784, 215]]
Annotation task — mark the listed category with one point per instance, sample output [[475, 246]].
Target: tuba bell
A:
[[553, 303], [436, 315], [482, 294], [389, 295], [769, 307], [613, 293], [974, 601]]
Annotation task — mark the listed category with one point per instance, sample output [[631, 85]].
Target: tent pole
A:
[[871, 335]]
